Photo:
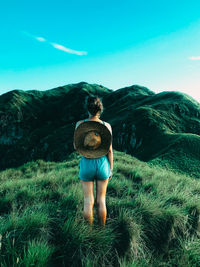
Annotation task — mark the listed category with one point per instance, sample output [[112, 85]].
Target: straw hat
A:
[[92, 139]]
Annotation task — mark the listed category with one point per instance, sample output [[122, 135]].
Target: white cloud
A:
[[57, 46], [41, 39], [68, 50], [194, 58]]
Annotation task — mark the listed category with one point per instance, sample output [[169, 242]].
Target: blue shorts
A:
[[94, 169]]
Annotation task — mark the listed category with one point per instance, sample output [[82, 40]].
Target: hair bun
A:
[[94, 105]]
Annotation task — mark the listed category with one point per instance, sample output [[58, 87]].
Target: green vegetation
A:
[[153, 217], [157, 128], [182, 154], [153, 198], [162, 129]]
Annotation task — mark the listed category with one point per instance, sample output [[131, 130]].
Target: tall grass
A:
[[153, 217]]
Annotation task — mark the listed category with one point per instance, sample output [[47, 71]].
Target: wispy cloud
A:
[[57, 46], [41, 39], [68, 50], [194, 58]]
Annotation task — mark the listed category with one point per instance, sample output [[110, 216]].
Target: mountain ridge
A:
[[40, 124]]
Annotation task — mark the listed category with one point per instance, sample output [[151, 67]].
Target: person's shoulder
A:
[[78, 123], [107, 123], [109, 126]]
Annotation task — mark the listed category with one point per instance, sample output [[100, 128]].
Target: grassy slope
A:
[[182, 155], [153, 217], [167, 124]]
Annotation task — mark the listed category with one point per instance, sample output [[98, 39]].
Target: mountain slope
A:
[[159, 128]]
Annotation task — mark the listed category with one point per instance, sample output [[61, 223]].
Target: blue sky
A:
[[153, 43]]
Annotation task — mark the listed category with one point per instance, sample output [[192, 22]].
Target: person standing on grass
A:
[[97, 158]]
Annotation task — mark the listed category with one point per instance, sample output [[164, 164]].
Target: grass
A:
[[181, 155], [153, 217]]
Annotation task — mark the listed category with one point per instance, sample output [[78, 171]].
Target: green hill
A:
[[183, 155], [157, 128], [153, 217], [153, 198]]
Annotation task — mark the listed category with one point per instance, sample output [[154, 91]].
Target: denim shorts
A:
[[94, 169]]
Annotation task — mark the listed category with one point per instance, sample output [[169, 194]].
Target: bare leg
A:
[[88, 200], [101, 188]]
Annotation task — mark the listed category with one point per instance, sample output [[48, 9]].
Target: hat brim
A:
[[83, 129]]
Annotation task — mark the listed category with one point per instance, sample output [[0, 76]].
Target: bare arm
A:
[[77, 124], [74, 146], [110, 152], [110, 157]]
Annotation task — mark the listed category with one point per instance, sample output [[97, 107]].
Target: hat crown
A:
[[92, 140]]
